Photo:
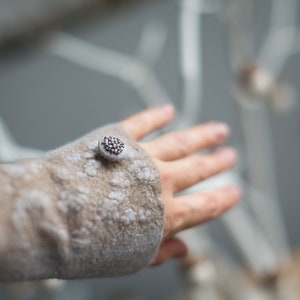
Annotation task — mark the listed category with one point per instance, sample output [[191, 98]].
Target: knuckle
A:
[[202, 168], [173, 221], [213, 208], [209, 167], [166, 175], [168, 226], [184, 217], [181, 142]]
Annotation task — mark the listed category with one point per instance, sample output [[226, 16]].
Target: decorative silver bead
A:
[[111, 147]]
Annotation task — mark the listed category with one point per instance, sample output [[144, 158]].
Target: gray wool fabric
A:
[[76, 214]]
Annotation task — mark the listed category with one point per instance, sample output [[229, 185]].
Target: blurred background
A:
[[67, 67]]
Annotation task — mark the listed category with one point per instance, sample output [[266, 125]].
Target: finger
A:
[[147, 121], [188, 171], [179, 144], [192, 210], [171, 248]]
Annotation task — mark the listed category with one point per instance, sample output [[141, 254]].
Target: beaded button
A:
[[111, 147]]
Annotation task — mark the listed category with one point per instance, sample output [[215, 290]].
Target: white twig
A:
[[296, 48], [198, 240], [279, 46], [129, 69], [255, 124], [251, 242], [204, 6], [191, 60], [202, 276], [280, 39], [259, 152], [152, 43], [283, 14], [238, 19]]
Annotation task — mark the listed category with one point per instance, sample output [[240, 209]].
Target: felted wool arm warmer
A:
[[76, 214]]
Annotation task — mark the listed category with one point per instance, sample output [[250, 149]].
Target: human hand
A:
[[175, 155]]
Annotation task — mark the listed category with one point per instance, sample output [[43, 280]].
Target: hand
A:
[[180, 167]]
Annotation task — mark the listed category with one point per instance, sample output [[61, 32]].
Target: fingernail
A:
[[167, 109], [221, 131], [228, 154]]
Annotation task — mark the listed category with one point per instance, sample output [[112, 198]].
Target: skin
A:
[[175, 155]]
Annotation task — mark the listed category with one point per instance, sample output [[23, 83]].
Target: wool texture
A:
[[75, 214]]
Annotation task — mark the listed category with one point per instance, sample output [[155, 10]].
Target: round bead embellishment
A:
[[112, 145]]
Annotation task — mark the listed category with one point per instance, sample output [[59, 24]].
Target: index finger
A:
[[149, 120], [178, 144]]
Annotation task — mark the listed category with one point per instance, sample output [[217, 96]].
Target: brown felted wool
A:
[[77, 214]]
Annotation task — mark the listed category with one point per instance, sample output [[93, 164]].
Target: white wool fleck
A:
[[142, 172], [29, 203], [109, 205], [83, 189], [89, 225], [137, 165], [87, 155], [139, 170], [26, 171], [116, 195], [80, 242], [63, 174], [80, 232], [63, 233], [128, 216], [120, 181], [62, 207], [116, 216], [91, 167], [142, 215], [73, 202], [14, 171], [92, 145], [81, 174], [108, 209], [146, 174], [33, 167], [34, 199], [74, 157], [55, 232]]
